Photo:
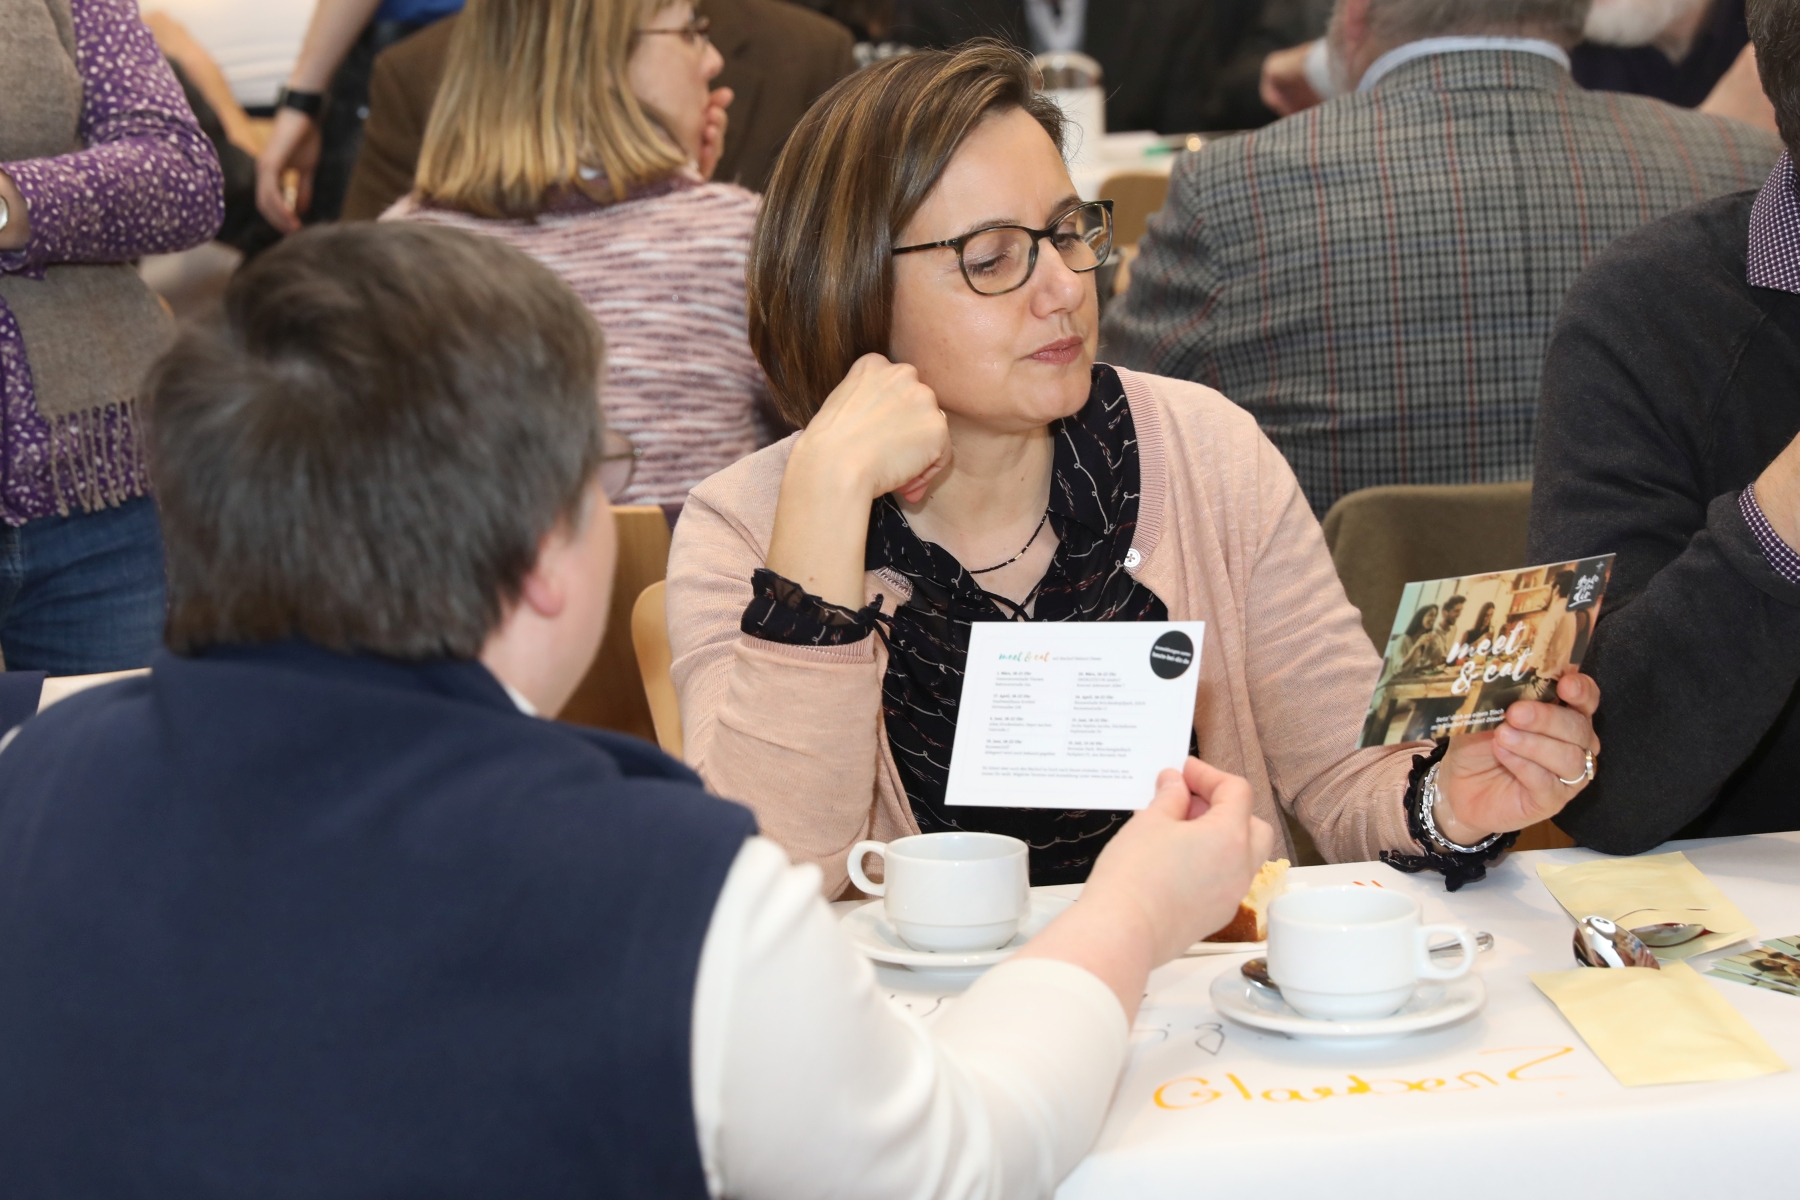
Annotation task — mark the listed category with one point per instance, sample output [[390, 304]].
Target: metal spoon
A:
[[1256, 970], [1670, 933], [1603, 943]]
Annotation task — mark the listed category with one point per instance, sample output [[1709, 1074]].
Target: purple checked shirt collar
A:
[[1775, 232]]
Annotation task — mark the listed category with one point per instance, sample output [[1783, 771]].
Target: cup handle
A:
[[862, 881], [1422, 952]]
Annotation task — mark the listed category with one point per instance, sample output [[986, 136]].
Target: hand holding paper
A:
[[1075, 715], [1511, 777]]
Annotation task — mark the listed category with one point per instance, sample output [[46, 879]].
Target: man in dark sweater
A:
[[1667, 433], [319, 908]]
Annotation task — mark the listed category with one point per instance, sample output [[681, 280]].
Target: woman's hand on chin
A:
[[712, 130], [879, 431], [1511, 777]]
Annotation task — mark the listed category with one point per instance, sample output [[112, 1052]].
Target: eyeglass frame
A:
[[697, 31], [631, 455], [1037, 236]]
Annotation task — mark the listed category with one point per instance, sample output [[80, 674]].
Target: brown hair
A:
[[533, 92], [1775, 31], [369, 448], [856, 169]]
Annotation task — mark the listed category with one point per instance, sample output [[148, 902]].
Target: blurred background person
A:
[[192, 280], [1156, 54], [1376, 278], [605, 185], [319, 112], [778, 59], [254, 42], [1266, 44], [81, 571], [1669, 436], [1675, 50]]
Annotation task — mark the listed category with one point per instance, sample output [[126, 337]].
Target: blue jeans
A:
[[83, 593]]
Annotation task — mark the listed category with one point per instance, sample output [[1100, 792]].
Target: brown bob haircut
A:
[[369, 446], [856, 169]]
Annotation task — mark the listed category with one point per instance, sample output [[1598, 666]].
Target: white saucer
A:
[[1202, 948], [1432, 1006], [869, 931]]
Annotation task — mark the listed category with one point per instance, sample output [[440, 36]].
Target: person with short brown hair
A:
[[922, 297]]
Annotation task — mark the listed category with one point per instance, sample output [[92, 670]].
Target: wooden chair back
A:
[[1135, 195], [650, 635], [611, 696], [1383, 538]]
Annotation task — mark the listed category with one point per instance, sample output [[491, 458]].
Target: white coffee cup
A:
[[954, 893], [1354, 953]]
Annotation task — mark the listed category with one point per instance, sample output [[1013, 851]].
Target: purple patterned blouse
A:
[[148, 183]]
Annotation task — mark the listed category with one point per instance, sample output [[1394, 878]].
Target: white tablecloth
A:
[[1508, 1103]]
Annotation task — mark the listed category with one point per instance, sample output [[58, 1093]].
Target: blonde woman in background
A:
[[582, 132]]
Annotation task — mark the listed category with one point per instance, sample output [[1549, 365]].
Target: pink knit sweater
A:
[[664, 277], [1225, 537]]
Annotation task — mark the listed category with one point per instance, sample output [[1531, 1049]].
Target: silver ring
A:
[[1587, 772]]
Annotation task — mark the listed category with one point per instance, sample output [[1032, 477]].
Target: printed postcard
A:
[[1463, 649]]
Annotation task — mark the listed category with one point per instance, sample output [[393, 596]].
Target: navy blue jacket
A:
[[277, 922]]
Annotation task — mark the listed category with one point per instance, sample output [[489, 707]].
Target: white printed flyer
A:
[[1073, 715]]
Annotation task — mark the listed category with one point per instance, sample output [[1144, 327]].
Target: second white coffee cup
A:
[[950, 892], [1355, 953]]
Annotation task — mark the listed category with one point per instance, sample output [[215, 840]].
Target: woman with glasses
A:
[[922, 298], [583, 132]]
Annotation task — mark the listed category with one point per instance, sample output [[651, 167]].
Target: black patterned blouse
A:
[[1094, 494]]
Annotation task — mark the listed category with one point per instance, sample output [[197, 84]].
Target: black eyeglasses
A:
[[693, 33], [1001, 258], [618, 463]]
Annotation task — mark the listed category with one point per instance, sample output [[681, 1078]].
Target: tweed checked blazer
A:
[[1375, 279]]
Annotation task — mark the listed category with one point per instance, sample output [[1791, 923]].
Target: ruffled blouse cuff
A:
[[780, 610], [1457, 869]]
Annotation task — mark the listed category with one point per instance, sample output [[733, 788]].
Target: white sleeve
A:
[[807, 1082]]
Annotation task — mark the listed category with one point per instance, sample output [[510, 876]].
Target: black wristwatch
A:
[[309, 104]]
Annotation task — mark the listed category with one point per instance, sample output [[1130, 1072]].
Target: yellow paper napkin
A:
[[1667, 1026], [1649, 890]]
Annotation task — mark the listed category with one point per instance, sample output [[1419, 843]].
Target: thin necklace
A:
[[1021, 554]]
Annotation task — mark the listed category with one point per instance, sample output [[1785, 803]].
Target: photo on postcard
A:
[[1463, 649]]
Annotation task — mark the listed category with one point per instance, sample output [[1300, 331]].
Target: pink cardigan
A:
[[1224, 536]]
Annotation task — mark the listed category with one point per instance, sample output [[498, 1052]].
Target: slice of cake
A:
[[1252, 921]]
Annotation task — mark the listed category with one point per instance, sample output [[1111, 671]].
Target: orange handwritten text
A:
[[1191, 1091]]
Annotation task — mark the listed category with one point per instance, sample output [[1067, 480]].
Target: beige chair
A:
[[650, 636], [1135, 195], [611, 696], [1383, 538]]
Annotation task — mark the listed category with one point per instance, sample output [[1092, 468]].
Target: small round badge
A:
[[1172, 655]]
